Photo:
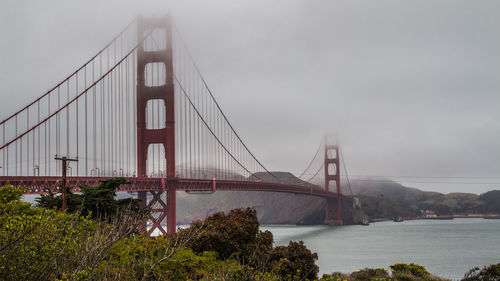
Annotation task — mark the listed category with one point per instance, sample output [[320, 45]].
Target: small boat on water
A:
[[397, 219]]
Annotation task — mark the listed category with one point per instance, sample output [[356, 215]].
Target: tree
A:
[[295, 260], [235, 234], [99, 202]]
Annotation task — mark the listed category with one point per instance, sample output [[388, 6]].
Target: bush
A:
[[400, 272], [295, 260], [45, 244], [336, 276], [235, 234], [368, 274], [36, 243], [143, 258], [487, 273], [412, 269]]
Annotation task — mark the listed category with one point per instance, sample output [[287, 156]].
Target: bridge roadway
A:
[[38, 185]]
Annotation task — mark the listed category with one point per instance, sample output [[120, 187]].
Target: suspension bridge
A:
[[140, 109]]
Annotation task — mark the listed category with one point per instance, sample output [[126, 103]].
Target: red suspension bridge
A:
[[140, 109]]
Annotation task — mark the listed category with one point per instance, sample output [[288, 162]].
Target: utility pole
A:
[[64, 168]]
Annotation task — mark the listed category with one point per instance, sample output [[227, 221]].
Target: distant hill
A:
[[272, 207], [284, 177], [492, 199], [412, 200], [379, 199]]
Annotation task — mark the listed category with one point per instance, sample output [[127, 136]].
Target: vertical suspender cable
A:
[[86, 125], [94, 121], [67, 121], [120, 119], [127, 113], [77, 129], [159, 114], [16, 146], [27, 142], [39, 138], [134, 109], [58, 129]]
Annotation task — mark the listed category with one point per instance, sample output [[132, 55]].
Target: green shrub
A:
[[413, 269], [233, 235], [369, 274], [295, 260], [336, 276], [236, 235], [487, 273]]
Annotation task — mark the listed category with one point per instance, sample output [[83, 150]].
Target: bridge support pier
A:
[[333, 212], [163, 209]]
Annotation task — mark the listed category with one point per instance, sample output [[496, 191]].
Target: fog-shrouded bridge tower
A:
[[166, 135], [333, 214]]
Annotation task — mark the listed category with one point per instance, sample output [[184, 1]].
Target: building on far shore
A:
[[428, 214]]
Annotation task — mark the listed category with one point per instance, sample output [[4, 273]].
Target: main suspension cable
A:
[[312, 160], [217, 104]]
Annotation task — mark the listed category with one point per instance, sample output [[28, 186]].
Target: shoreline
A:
[[491, 217]]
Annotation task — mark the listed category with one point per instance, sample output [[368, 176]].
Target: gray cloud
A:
[[410, 87]]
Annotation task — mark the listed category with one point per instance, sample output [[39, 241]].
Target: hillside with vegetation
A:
[[390, 199]]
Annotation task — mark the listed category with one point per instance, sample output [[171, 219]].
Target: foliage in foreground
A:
[[46, 244], [487, 273], [236, 235], [37, 243], [412, 272], [400, 272]]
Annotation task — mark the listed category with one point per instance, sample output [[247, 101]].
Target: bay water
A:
[[447, 248]]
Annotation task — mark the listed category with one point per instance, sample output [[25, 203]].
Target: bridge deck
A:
[[38, 185]]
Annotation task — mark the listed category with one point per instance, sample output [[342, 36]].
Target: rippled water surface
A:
[[447, 248]]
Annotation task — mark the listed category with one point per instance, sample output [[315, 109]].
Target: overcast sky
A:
[[411, 88]]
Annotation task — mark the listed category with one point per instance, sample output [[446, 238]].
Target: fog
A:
[[410, 88]]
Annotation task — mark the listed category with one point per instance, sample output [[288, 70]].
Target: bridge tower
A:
[[333, 213], [164, 136]]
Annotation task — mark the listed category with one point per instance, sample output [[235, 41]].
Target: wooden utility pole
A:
[[64, 168]]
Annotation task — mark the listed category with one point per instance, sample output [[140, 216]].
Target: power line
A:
[[434, 182], [426, 177]]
